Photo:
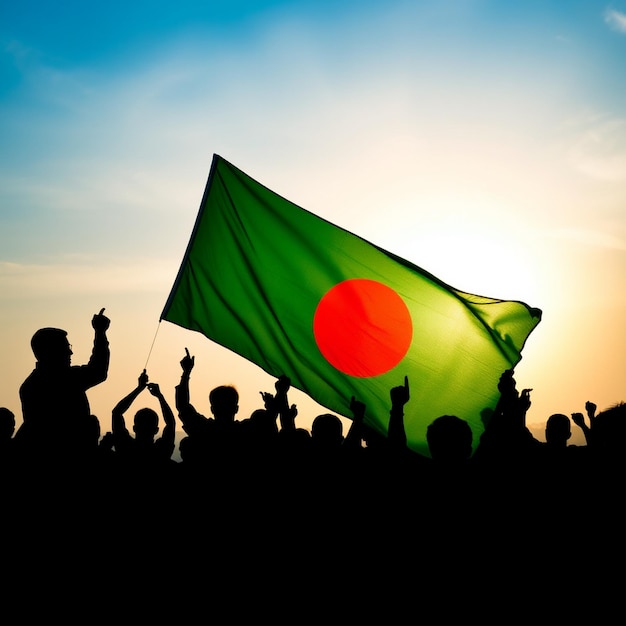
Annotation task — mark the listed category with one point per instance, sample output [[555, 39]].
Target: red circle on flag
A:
[[362, 327]]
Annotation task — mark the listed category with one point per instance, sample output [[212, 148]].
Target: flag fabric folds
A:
[[297, 295]]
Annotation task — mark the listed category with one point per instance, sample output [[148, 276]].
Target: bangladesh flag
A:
[[299, 296]]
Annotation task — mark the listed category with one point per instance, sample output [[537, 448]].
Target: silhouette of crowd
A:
[[261, 487]]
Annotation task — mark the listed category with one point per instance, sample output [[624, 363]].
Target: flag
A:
[[341, 317]]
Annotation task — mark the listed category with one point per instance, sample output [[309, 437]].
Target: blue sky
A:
[[484, 141]]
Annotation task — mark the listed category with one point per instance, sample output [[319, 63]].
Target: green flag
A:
[[299, 296]]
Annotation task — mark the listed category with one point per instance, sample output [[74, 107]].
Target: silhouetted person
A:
[[287, 413], [144, 450], [294, 444], [396, 432], [354, 437], [10, 457], [7, 443], [507, 445], [212, 440], [525, 471], [55, 407], [558, 431], [605, 493], [450, 441], [563, 463], [99, 451], [579, 420], [327, 433], [608, 438], [260, 430]]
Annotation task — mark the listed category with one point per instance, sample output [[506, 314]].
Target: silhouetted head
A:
[[558, 430], [449, 439], [609, 429], [260, 424], [257, 416], [50, 345], [192, 452], [92, 429], [7, 423], [186, 449], [224, 402], [327, 430], [146, 424], [294, 441]]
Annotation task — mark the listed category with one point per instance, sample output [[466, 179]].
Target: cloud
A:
[[113, 160], [616, 20], [81, 276], [599, 150]]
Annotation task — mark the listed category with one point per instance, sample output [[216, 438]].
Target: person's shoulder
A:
[[32, 374], [164, 446], [190, 410], [27, 381], [34, 379], [122, 437], [201, 421]]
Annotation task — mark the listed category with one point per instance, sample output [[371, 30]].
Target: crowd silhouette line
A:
[[249, 482]]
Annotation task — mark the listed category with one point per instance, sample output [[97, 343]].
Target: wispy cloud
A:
[[25, 281], [600, 149], [616, 20]]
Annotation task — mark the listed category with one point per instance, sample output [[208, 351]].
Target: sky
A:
[[484, 141]]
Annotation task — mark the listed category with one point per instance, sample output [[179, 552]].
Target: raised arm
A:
[[286, 413], [190, 419], [182, 389], [354, 438], [591, 408], [169, 431], [579, 420], [97, 369], [399, 397], [269, 414], [117, 417], [506, 436]]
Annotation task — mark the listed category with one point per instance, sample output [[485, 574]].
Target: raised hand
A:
[[524, 400], [506, 384], [358, 408], [400, 395], [187, 362], [100, 322], [154, 389], [143, 380], [270, 402], [578, 419], [283, 383]]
